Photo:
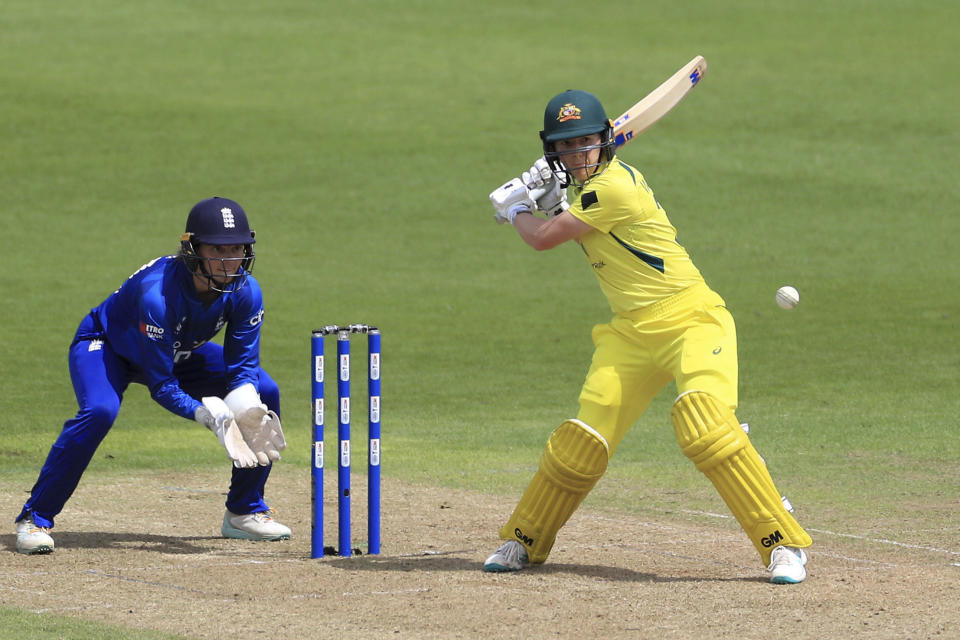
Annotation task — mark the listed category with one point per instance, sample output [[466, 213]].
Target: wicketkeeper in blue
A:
[[155, 330]]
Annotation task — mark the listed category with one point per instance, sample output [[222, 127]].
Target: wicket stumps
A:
[[343, 334]]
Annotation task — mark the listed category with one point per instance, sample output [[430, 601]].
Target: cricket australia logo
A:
[[569, 111], [227, 214]]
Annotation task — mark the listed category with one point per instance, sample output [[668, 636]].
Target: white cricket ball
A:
[[788, 297]]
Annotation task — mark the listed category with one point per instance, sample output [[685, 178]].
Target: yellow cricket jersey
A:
[[632, 247]]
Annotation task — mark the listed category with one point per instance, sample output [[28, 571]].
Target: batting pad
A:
[[574, 460], [710, 435]]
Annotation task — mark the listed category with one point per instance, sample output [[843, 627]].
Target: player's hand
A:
[[262, 432], [509, 200], [215, 415], [545, 188]]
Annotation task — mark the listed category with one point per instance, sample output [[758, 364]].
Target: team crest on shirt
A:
[[569, 111]]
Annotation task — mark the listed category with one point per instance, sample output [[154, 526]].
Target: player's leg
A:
[[710, 435], [618, 387], [247, 514], [99, 378]]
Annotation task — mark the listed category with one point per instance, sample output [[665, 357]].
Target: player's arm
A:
[[546, 234]]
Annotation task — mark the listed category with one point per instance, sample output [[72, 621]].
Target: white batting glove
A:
[[509, 200], [544, 188], [215, 415]]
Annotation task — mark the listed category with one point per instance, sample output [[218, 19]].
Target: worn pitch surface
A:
[[144, 551]]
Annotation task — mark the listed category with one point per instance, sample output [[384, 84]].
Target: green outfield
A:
[[363, 138]]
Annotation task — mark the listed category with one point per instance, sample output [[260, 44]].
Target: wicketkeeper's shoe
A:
[[32, 539], [787, 565], [253, 526], [511, 556]]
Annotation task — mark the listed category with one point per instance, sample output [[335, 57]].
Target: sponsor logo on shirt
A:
[[151, 331], [256, 319]]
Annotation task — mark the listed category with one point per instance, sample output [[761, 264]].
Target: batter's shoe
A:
[[32, 539], [786, 565], [253, 526], [511, 556]]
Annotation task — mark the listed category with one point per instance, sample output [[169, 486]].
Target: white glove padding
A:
[[215, 415], [242, 398], [262, 431], [545, 188], [509, 200]]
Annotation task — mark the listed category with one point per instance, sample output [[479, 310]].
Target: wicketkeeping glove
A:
[[260, 427], [545, 188], [262, 431], [215, 415]]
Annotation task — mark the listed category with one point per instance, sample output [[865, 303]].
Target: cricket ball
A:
[[788, 297]]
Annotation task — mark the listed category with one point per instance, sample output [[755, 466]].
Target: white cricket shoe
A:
[[786, 565], [511, 556], [32, 539], [253, 526]]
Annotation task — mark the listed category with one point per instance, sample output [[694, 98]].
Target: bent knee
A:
[[269, 392]]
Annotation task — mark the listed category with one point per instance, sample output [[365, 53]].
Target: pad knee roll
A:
[[574, 459], [710, 435]]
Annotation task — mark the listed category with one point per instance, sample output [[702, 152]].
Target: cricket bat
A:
[[633, 121], [658, 102]]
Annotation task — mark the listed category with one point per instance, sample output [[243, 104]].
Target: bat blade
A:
[[658, 102]]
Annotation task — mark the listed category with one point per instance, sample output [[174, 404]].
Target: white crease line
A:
[[358, 593], [891, 542], [849, 535]]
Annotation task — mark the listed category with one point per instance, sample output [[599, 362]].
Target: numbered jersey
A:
[[155, 320], [632, 247]]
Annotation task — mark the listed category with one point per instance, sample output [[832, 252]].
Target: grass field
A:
[[363, 137]]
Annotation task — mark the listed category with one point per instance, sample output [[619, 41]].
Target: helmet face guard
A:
[[224, 279], [218, 221], [574, 114]]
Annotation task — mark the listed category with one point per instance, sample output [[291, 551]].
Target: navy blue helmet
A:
[[218, 221]]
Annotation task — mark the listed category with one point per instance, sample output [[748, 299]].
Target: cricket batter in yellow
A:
[[667, 325]]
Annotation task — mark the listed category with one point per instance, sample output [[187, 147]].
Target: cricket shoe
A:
[[253, 526], [32, 539], [787, 565], [511, 556]]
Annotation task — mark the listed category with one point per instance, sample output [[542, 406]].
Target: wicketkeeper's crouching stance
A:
[[668, 325], [155, 330]]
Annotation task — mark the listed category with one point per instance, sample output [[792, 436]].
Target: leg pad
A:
[[710, 435], [574, 460]]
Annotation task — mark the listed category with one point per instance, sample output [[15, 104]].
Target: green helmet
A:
[[573, 114]]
